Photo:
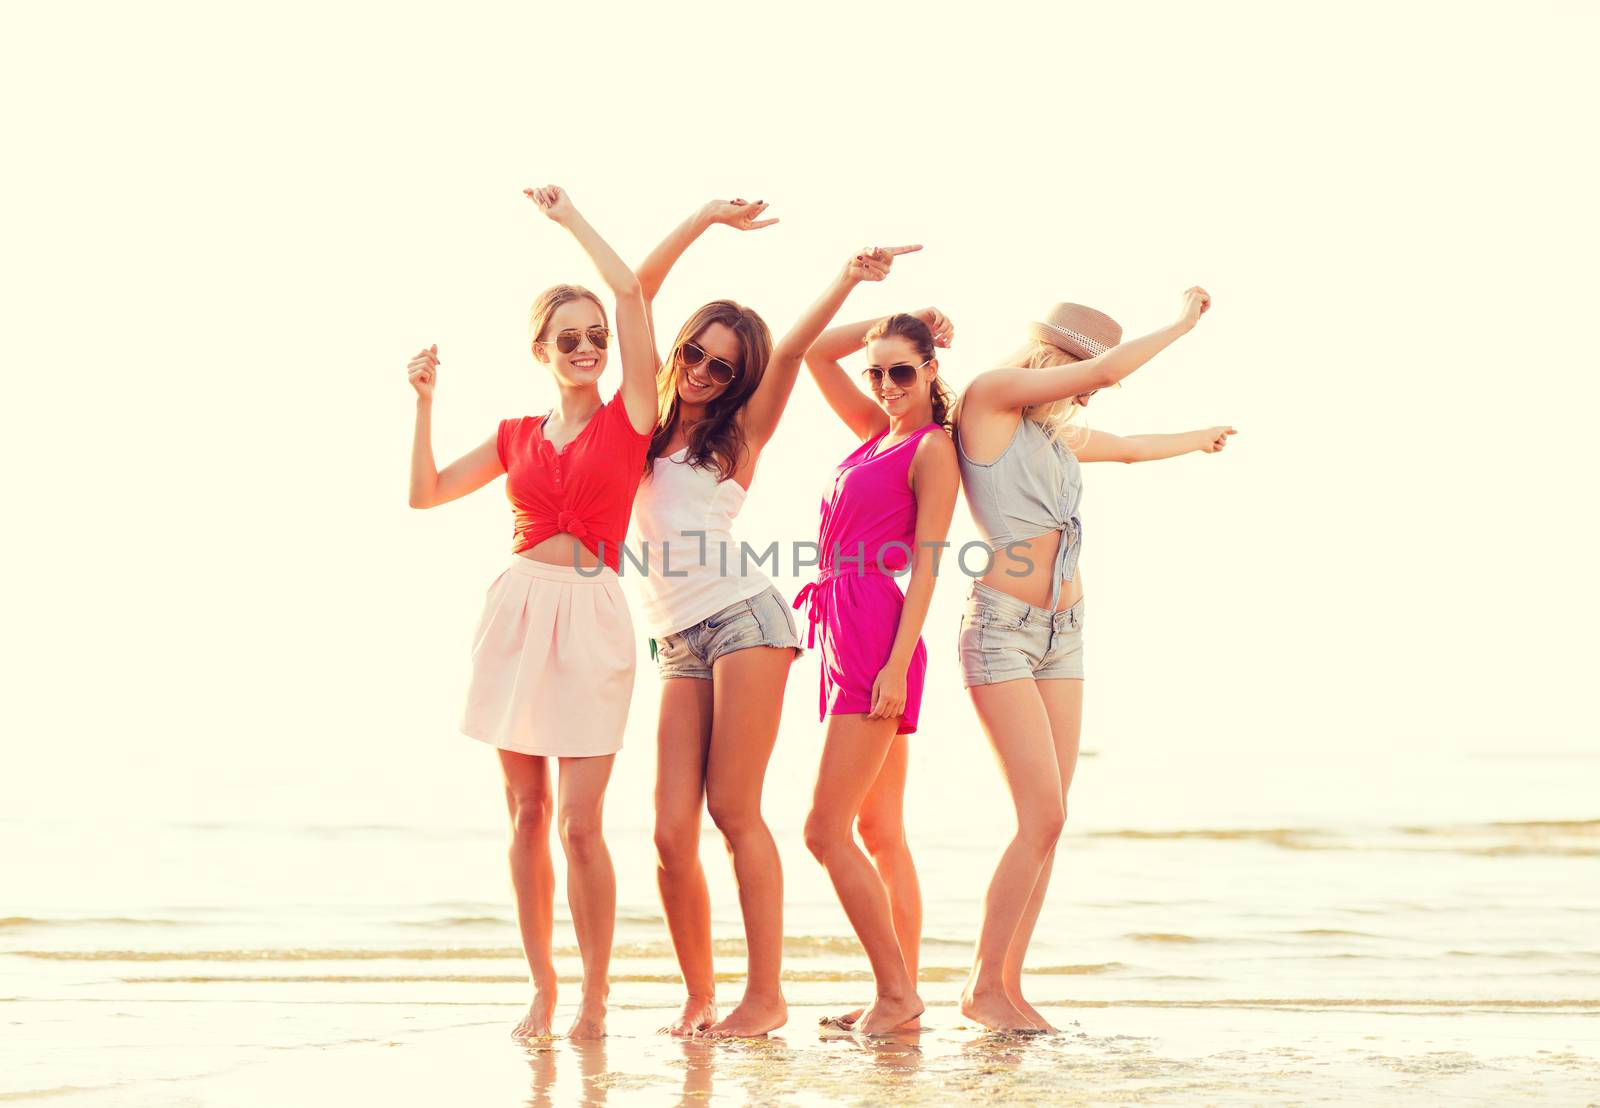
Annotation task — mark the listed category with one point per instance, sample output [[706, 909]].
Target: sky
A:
[[227, 231]]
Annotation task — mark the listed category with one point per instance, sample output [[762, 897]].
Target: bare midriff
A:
[[561, 549], [1012, 575]]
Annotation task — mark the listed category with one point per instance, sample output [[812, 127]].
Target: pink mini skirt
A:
[[552, 662]]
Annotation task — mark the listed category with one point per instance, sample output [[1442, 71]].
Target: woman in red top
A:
[[553, 657]]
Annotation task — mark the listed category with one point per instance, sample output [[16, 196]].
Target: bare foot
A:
[[591, 1022], [847, 1022], [698, 1013], [992, 1009], [1014, 994], [755, 1016], [844, 1022], [536, 1024], [889, 1014]]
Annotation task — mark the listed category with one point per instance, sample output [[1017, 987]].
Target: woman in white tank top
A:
[[722, 636]]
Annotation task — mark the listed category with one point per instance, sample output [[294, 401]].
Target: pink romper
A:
[[869, 527]]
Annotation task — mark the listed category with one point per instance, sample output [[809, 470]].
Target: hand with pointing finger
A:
[[873, 264]]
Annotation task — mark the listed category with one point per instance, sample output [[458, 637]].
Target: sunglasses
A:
[[717, 369], [900, 373], [567, 341]]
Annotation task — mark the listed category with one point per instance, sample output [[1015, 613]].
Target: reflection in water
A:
[[898, 1052], [591, 1055], [699, 1065]]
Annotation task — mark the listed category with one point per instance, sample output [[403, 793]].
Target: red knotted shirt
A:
[[585, 489]]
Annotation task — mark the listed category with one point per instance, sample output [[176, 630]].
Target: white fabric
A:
[[674, 504]]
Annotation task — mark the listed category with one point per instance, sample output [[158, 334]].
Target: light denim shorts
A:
[[764, 620], [1003, 639]]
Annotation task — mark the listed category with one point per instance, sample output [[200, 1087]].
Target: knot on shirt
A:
[[569, 522]]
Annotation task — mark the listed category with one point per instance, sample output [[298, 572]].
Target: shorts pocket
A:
[[988, 615], [732, 612]]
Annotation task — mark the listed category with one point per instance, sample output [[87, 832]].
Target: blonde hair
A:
[[546, 303], [1059, 419]]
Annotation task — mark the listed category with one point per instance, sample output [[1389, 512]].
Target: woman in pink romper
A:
[[889, 512]]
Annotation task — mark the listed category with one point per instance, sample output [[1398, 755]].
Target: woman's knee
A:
[[530, 815], [677, 841], [581, 836], [825, 834], [1040, 826], [734, 815], [881, 835]]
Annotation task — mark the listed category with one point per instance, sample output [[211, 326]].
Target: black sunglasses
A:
[[567, 341], [900, 373], [717, 369]]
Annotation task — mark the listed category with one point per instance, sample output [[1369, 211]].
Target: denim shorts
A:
[[1003, 639], [763, 620]]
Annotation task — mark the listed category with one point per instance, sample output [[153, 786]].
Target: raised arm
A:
[[935, 479], [430, 486], [634, 340], [1017, 388], [766, 406], [737, 214], [1105, 447], [849, 403]]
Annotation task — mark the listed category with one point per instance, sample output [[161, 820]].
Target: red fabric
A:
[[585, 490]]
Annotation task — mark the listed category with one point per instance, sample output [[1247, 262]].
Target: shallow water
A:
[[1300, 961]]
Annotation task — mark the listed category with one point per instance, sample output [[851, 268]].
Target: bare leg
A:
[[533, 880], [1014, 717], [749, 698], [1063, 701], [852, 756], [883, 833], [682, 736], [591, 883]]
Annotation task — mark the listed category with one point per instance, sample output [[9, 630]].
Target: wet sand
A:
[[461, 1054]]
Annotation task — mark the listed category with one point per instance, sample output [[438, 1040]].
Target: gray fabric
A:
[[1033, 487], [1005, 639]]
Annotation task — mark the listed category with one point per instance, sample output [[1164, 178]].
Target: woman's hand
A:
[[554, 202], [1216, 438], [741, 215], [873, 264], [889, 693], [944, 332], [1195, 304], [422, 370]]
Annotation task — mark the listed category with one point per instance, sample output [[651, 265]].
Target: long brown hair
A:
[[718, 438], [920, 336]]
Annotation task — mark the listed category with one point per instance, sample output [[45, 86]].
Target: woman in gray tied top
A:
[[1021, 632]]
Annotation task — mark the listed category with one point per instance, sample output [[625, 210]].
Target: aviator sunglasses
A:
[[900, 373], [567, 341], [717, 369]]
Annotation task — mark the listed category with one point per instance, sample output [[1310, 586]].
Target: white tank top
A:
[[690, 575]]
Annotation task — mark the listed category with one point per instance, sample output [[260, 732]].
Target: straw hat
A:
[[1081, 332]]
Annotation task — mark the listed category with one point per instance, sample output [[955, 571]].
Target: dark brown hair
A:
[[920, 336], [718, 438]]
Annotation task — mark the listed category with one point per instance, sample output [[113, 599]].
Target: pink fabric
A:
[[869, 527]]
